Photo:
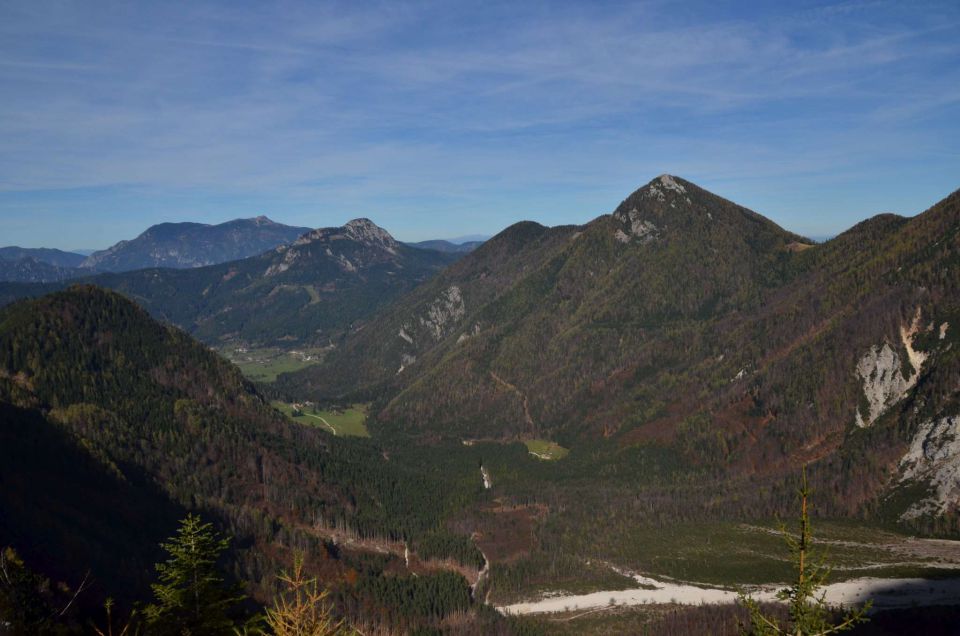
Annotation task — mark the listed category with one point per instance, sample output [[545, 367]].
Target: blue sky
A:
[[441, 119]]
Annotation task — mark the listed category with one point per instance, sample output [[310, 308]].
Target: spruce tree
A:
[[190, 596]]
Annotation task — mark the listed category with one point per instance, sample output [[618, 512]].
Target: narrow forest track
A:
[[891, 552], [523, 398], [317, 417]]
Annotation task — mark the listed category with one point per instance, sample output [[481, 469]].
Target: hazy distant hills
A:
[[31, 270], [58, 258], [447, 246], [325, 282], [37, 265], [184, 245], [683, 320], [173, 245]]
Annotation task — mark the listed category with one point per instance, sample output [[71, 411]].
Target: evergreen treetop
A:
[[191, 596]]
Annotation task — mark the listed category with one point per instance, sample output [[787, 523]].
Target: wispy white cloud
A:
[[481, 108]]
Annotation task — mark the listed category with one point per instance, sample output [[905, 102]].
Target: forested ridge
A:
[[681, 321], [115, 425]]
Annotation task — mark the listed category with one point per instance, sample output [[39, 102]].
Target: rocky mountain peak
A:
[[361, 230], [667, 189], [662, 191], [367, 231], [671, 203]]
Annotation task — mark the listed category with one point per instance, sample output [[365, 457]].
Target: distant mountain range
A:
[[37, 265], [172, 245], [31, 270], [184, 245], [57, 258], [447, 246], [309, 291]]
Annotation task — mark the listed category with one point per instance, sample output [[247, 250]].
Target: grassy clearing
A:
[[729, 553], [548, 451], [265, 364], [349, 422], [267, 371]]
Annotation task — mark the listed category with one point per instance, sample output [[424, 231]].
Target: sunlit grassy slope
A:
[[347, 423]]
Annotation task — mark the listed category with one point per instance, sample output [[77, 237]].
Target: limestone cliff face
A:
[[445, 311], [883, 382], [433, 324], [934, 457], [882, 374]]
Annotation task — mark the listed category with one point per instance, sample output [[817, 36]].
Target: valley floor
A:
[[891, 570], [885, 594]]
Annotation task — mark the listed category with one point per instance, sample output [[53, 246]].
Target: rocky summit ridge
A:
[[361, 230]]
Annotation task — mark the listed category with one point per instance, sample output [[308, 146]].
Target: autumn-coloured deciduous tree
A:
[[301, 608]]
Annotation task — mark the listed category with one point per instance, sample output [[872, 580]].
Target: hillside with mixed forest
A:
[[680, 321], [114, 425]]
